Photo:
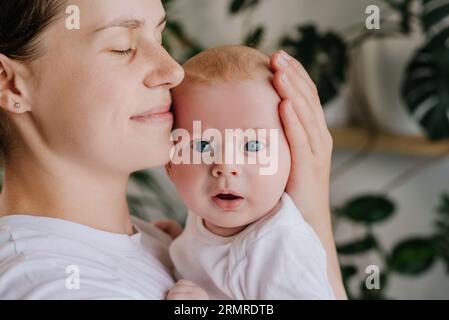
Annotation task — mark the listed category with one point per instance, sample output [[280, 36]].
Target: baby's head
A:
[[227, 89]]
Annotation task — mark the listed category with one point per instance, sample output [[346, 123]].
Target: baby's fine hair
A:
[[227, 64]]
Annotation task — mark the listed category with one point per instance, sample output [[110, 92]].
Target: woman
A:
[[72, 132]]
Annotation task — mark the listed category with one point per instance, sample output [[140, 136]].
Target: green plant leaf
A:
[[136, 207], [444, 206], [413, 256], [442, 230], [374, 294], [442, 222], [368, 209], [149, 184], [348, 271], [404, 8], [175, 29], [358, 246], [254, 38], [426, 88], [433, 15], [238, 6], [442, 245], [324, 56]]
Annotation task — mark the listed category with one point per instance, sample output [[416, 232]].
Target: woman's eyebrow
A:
[[122, 23], [128, 23]]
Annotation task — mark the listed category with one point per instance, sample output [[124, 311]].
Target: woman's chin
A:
[[151, 160]]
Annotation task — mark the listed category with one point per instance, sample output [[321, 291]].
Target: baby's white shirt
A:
[[277, 257]]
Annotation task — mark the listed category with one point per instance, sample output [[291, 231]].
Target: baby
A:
[[244, 237]]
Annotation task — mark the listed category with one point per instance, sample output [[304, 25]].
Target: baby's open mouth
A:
[[227, 200], [227, 196]]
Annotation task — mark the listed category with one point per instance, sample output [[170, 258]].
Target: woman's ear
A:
[[14, 82]]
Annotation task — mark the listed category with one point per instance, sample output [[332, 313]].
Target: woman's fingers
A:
[[301, 90], [292, 64], [295, 132], [281, 61], [309, 89], [291, 91]]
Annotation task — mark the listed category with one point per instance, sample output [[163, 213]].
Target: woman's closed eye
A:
[[124, 52]]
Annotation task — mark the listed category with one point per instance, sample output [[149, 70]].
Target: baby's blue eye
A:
[[253, 146], [202, 146]]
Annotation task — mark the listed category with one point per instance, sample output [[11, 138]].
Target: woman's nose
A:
[[225, 170], [168, 72]]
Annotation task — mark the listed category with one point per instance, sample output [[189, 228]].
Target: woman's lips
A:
[[161, 114], [227, 201]]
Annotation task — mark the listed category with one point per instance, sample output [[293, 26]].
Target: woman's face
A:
[[92, 84]]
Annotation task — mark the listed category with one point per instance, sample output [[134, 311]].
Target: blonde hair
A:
[[227, 64]]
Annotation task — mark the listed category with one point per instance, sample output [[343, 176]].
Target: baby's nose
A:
[[225, 170]]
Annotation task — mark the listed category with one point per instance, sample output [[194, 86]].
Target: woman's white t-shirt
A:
[[47, 258]]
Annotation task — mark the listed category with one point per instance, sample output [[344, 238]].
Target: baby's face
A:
[[229, 195]]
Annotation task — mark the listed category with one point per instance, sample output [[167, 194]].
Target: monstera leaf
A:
[[435, 15], [426, 86], [324, 56]]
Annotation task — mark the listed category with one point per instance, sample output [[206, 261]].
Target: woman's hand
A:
[[308, 136], [311, 149]]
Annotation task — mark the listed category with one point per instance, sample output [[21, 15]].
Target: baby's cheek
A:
[[183, 176], [259, 183], [189, 180]]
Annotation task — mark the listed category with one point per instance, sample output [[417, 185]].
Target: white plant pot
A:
[[336, 111], [382, 69]]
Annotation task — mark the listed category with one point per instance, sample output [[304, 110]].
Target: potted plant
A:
[[398, 74]]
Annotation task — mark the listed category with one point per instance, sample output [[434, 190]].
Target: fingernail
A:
[[286, 55], [282, 60], [284, 78]]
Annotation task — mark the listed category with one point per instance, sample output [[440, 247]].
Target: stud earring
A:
[[17, 105]]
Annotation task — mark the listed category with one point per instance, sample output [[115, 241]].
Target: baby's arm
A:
[[186, 290]]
